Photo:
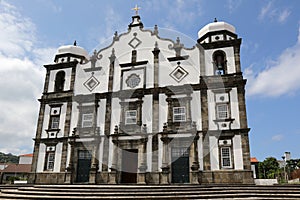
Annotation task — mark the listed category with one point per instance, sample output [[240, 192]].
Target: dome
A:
[[72, 49], [216, 26]]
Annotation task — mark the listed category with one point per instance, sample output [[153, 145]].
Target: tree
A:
[[8, 158], [269, 168]]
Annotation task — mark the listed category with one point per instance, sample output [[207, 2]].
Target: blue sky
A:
[[32, 30]]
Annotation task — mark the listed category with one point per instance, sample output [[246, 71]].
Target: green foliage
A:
[[8, 158], [269, 168], [13, 178], [293, 164]]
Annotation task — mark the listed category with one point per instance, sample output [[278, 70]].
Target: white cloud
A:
[[181, 10], [265, 10], [270, 12], [21, 79], [280, 76], [232, 5], [50, 4], [284, 15], [277, 138], [17, 32]]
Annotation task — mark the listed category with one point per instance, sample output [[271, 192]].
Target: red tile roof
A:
[[27, 155], [254, 160], [17, 168]]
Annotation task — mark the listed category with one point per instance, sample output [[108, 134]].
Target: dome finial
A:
[[215, 20], [75, 43]]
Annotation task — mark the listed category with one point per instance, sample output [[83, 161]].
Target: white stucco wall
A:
[[163, 111], [214, 153], [238, 152], [234, 108], [58, 153], [147, 112], [41, 158], [196, 109]]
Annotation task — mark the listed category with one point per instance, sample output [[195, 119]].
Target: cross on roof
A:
[[136, 8]]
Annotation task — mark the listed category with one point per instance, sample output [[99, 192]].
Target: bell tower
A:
[[223, 104]]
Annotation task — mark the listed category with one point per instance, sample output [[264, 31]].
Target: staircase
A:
[[151, 192]]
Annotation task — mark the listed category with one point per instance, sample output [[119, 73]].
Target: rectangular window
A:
[[222, 111], [87, 120], [50, 160], [54, 122], [130, 117], [84, 154], [226, 157], [179, 114]]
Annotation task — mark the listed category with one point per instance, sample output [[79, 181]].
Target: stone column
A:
[[39, 131], [170, 113], [114, 165], [155, 116], [139, 109], [188, 111], [66, 134], [237, 56], [122, 117], [142, 162], [70, 169], [195, 165], [108, 117], [204, 116], [95, 163], [156, 52], [165, 160]]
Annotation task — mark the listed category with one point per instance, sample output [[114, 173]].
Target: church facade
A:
[[145, 110]]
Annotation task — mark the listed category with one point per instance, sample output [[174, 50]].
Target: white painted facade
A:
[[100, 89]]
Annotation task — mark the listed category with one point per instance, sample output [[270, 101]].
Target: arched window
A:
[[219, 60], [59, 81]]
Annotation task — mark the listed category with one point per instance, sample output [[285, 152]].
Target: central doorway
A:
[[83, 166], [180, 165], [129, 165]]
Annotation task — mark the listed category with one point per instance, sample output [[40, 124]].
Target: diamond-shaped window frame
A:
[[134, 46], [177, 69], [91, 88]]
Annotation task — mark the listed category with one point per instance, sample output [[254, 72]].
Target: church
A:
[[145, 110]]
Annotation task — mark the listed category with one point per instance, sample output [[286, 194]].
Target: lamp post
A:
[[284, 167]]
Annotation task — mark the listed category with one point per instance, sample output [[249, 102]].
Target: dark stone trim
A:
[[89, 98], [223, 90], [69, 55], [46, 83], [140, 24], [224, 120], [176, 58], [228, 133], [216, 84], [53, 130], [61, 65], [70, 92], [56, 105], [39, 131], [51, 140], [132, 64], [209, 34], [56, 99], [221, 44], [93, 69]]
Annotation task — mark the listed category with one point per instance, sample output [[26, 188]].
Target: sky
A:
[[32, 30]]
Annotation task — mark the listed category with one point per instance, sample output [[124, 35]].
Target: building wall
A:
[[99, 84]]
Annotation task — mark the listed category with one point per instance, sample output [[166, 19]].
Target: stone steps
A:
[[150, 192]]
